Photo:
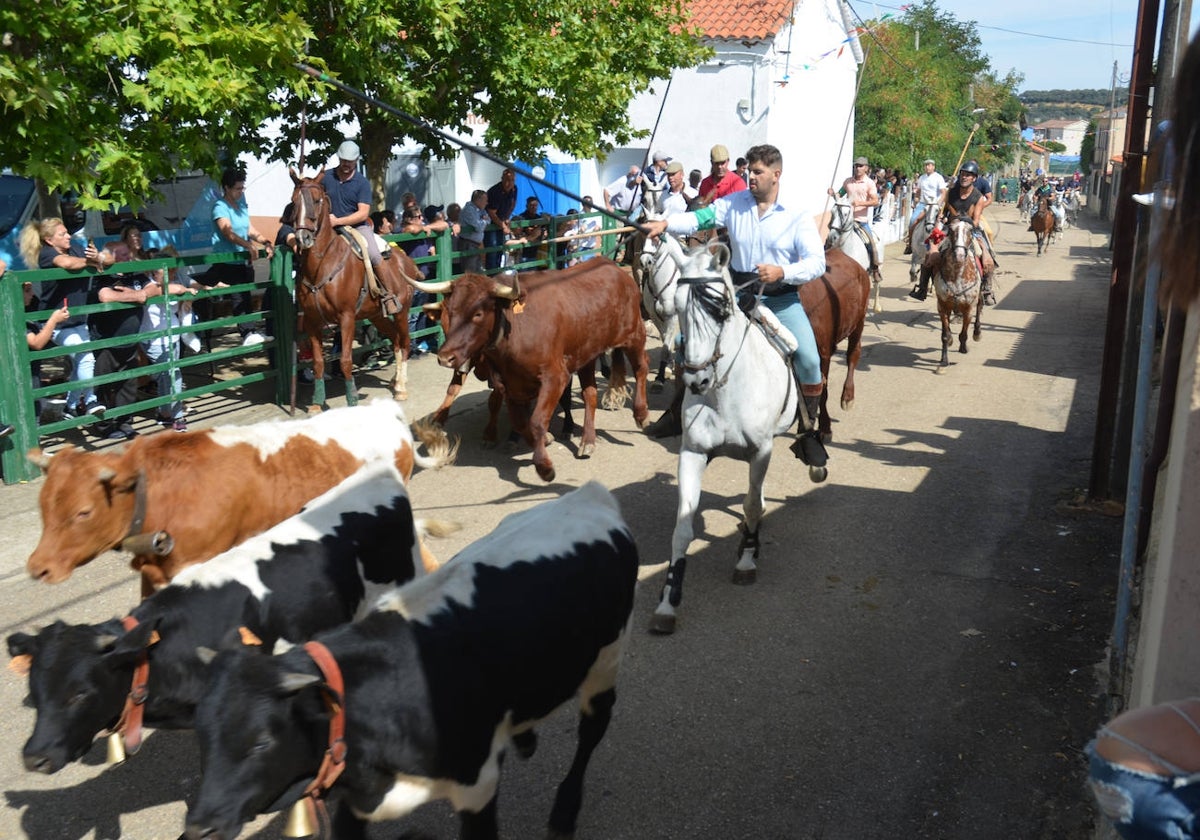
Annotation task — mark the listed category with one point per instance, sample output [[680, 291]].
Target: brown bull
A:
[[539, 331]]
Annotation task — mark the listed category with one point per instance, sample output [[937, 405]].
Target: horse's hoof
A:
[[941, 368], [401, 396], [826, 437], [817, 474], [545, 473], [315, 409], [877, 308], [847, 404], [587, 450], [656, 387], [745, 577], [662, 624]]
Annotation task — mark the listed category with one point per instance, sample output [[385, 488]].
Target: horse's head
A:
[[841, 221], [930, 217], [660, 261], [705, 302], [960, 237], [652, 200], [310, 208]]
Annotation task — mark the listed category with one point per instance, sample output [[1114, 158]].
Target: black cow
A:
[[309, 573], [439, 678]]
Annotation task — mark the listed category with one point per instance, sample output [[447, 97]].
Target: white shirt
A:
[[929, 188], [677, 202], [780, 237], [624, 194]]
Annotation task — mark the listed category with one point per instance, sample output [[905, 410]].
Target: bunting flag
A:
[[840, 47]]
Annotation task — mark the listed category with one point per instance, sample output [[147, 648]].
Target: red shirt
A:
[[730, 183]]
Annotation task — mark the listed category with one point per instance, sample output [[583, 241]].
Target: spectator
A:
[[501, 202], [720, 182], [47, 244], [417, 223], [739, 169], [655, 175], [233, 232], [285, 237], [436, 221], [37, 337], [678, 198], [407, 200], [453, 212], [532, 234], [384, 222], [624, 195], [163, 313], [694, 180], [132, 288], [472, 223], [584, 248], [562, 248]]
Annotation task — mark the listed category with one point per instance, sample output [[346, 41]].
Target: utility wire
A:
[[979, 25]]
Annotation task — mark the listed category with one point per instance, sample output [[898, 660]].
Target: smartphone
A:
[[64, 302]]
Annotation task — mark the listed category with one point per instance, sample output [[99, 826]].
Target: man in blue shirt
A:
[[780, 249], [349, 194]]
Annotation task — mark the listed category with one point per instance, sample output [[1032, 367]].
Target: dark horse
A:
[[331, 291], [836, 303], [957, 282], [1042, 223]]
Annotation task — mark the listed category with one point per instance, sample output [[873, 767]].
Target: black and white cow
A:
[[314, 571], [439, 679]]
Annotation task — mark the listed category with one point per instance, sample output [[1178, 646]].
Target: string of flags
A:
[[837, 50]]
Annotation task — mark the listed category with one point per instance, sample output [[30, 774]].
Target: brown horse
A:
[[332, 291], [957, 274], [836, 303], [1042, 223]]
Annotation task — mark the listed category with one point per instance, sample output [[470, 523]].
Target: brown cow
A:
[[202, 493], [536, 333]]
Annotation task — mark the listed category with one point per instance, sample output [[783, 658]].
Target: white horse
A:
[[851, 239], [657, 275], [740, 393], [920, 235]]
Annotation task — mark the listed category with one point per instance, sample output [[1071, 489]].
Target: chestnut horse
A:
[[331, 290], [1042, 223], [957, 283], [836, 303]]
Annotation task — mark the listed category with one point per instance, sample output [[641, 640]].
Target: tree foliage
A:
[[924, 77], [1087, 149], [104, 99]]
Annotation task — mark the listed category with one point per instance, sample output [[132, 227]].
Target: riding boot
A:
[[921, 290], [671, 422], [908, 245], [985, 288], [807, 446]]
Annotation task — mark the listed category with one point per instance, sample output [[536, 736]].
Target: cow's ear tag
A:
[[518, 307], [21, 664], [154, 638], [248, 637]]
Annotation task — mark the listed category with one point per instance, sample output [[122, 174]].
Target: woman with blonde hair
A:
[[47, 244]]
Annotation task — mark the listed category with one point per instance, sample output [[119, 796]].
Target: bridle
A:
[[719, 309]]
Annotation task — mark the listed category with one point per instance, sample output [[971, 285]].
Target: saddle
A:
[[358, 247], [868, 242]]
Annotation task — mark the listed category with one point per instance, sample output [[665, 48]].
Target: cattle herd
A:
[[300, 626], [296, 619]]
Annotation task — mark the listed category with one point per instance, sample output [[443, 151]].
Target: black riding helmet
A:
[[969, 167]]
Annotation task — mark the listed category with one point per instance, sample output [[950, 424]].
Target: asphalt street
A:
[[921, 656]]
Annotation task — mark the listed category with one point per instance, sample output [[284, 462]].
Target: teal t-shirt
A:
[[238, 216]]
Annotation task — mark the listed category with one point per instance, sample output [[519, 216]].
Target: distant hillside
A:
[[1042, 105]]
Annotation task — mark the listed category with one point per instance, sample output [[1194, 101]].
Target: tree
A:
[[1087, 149], [924, 78], [104, 105]]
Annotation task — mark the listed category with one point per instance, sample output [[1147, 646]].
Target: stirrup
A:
[[389, 305], [808, 448]]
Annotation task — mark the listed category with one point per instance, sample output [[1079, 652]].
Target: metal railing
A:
[[20, 395]]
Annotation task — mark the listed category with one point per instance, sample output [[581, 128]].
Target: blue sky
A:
[[1041, 38]]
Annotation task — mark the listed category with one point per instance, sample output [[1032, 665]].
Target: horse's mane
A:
[[715, 304]]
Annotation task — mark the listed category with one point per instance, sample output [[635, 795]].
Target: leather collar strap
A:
[[139, 508], [130, 724], [334, 761]]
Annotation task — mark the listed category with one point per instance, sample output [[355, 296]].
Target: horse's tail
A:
[[617, 392]]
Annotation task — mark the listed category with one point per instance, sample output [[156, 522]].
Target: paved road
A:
[[919, 659]]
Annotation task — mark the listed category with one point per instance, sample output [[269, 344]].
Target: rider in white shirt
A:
[[931, 189]]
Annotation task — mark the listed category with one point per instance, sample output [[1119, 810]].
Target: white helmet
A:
[[348, 150]]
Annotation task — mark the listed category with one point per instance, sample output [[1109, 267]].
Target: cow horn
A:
[[39, 459], [507, 292], [429, 288], [106, 475]]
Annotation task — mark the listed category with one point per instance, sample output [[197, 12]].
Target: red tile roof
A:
[[750, 20]]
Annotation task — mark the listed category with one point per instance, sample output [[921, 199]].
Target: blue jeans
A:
[[806, 361], [1144, 806], [83, 365], [491, 239]]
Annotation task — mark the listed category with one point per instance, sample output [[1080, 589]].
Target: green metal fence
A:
[[19, 397]]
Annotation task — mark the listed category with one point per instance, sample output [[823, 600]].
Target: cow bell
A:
[[299, 820], [116, 748]]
